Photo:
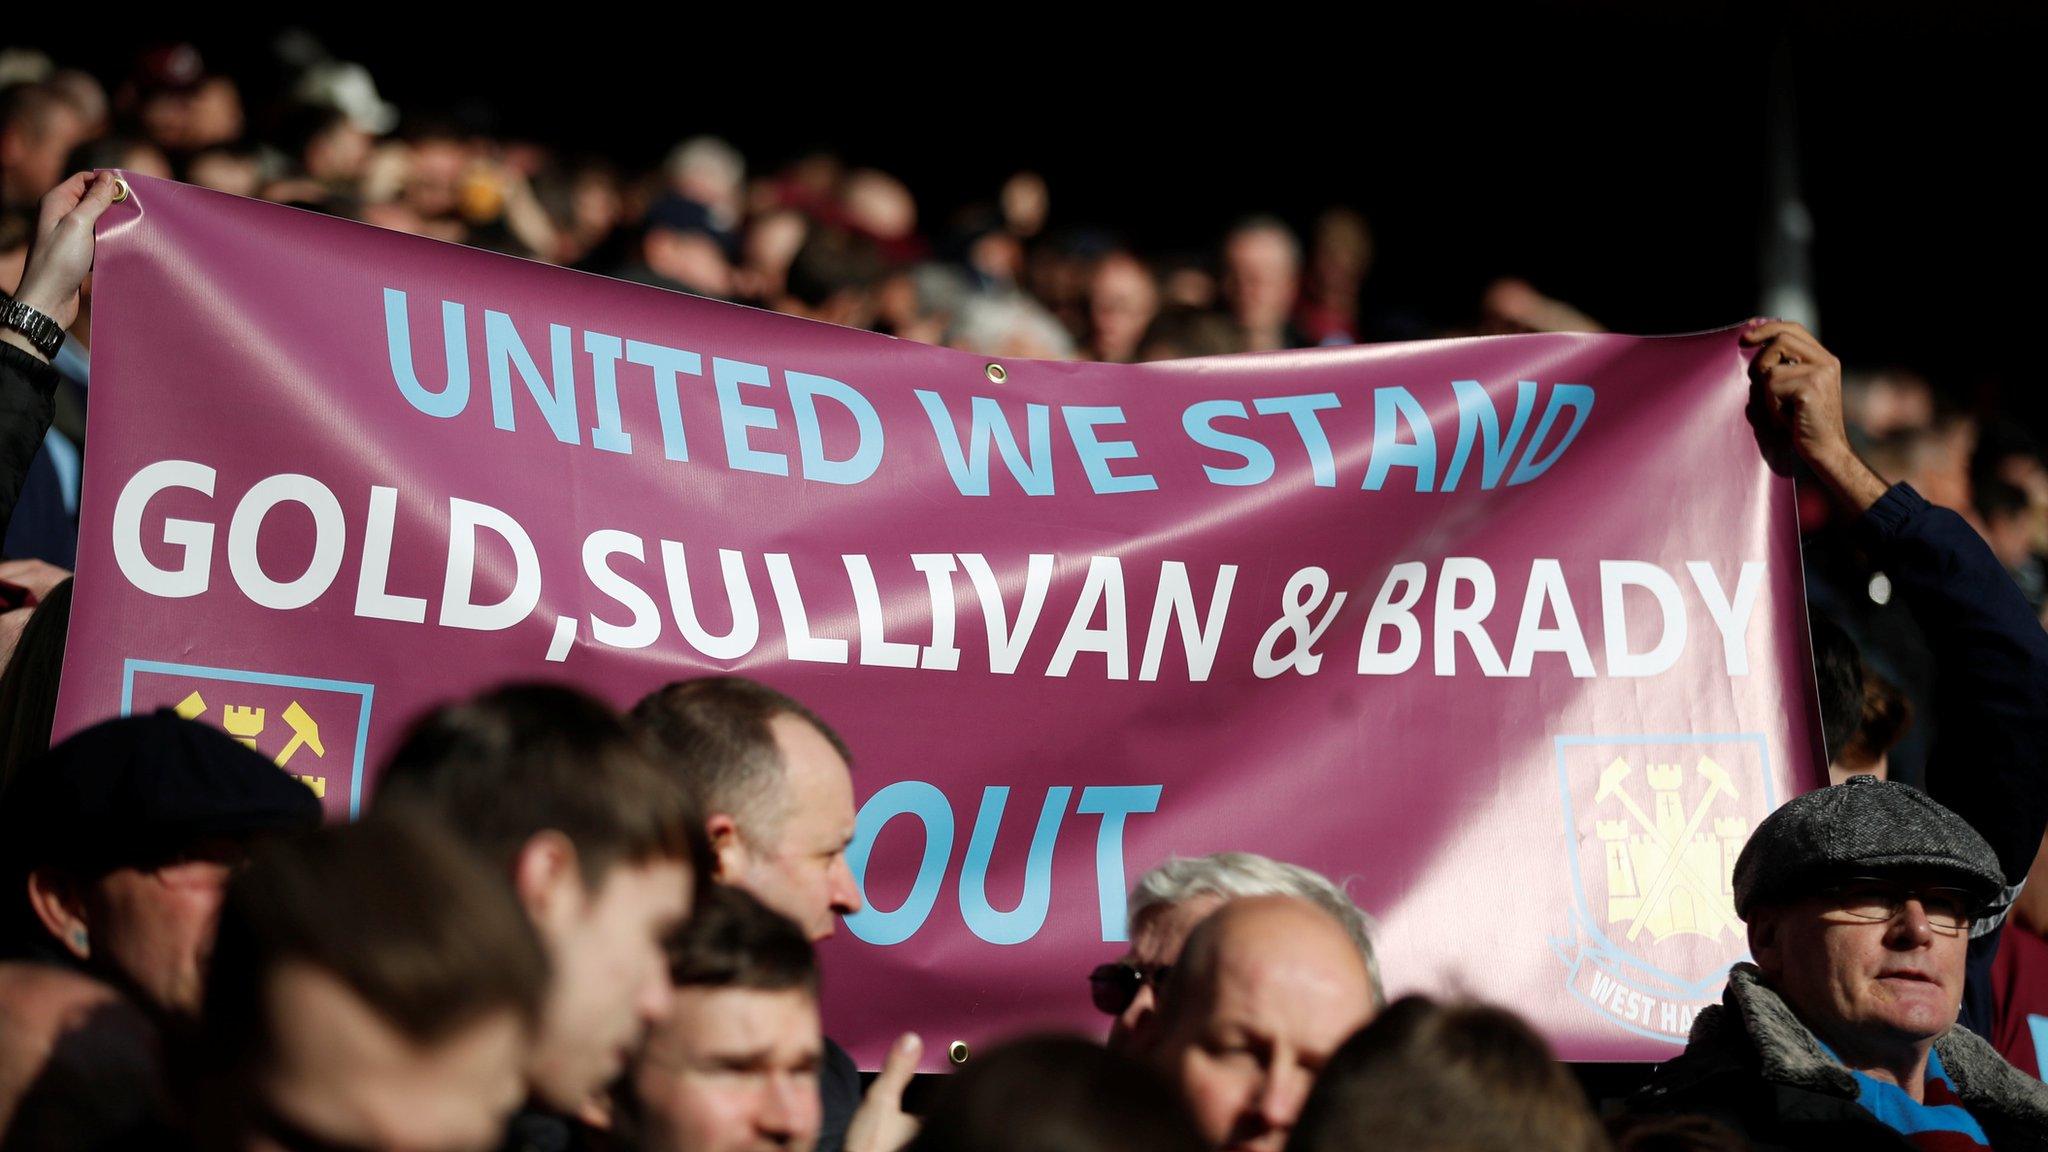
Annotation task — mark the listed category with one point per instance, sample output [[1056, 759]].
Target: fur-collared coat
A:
[[1752, 1065]]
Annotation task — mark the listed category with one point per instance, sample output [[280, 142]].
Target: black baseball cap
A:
[[136, 790]]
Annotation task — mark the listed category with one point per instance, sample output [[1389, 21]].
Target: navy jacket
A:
[[1991, 692], [28, 388]]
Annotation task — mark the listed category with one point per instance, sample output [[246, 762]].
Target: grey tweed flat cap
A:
[[1863, 825]]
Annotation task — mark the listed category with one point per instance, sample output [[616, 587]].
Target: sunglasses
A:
[[1114, 986]]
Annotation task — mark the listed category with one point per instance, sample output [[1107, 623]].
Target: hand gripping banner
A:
[[1507, 634]]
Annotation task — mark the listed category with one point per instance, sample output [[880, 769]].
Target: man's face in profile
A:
[[610, 978], [153, 926], [794, 860]]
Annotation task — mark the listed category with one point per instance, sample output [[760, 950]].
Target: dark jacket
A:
[[1753, 1066], [535, 1128], [28, 388], [839, 1092], [1991, 692]]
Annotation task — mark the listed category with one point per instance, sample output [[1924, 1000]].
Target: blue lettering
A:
[[1022, 922], [1200, 423], [1096, 454], [1476, 417], [604, 350], [804, 389], [903, 798], [970, 468], [505, 351], [1388, 452], [1303, 409], [1114, 803], [666, 362], [738, 416], [1579, 399], [453, 397]]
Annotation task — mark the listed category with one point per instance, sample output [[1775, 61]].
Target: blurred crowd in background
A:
[[818, 234]]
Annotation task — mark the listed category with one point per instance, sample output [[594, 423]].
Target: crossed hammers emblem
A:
[[246, 724], [1675, 868]]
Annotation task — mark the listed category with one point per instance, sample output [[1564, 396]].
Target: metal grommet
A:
[[957, 1051], [996, 375], [120, 189]]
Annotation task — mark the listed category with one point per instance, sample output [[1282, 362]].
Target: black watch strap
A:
[[42, 331]]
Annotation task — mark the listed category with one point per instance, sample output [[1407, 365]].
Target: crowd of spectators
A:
[[561, 926]]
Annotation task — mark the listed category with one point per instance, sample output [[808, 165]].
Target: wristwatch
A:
[[42, 331]]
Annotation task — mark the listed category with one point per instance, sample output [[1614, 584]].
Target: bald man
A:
[[1266, 989]]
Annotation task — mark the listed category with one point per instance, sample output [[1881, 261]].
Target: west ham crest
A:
[[1652, 828]]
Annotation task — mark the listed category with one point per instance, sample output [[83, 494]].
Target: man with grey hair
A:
[[1010, 325], [1170, 900], [712, 174], [1860, 901]]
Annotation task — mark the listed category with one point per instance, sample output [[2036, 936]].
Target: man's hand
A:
[[61, 253], [880, 1124], [1798, 391], [36, 577], [12, 623], [28, 584]]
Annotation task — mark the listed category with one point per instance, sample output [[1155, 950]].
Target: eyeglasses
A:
[[1114, 986], [1873, 898]]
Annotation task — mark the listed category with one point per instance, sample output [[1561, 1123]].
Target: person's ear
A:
[[546, 879], [58, 900], [1766, 940], [728, 847]]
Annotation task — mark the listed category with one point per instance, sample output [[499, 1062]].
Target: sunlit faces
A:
[[610, 977], [1251, 1021], [732, 1070], [342, 1075], [1156, 941], [795, 860], [1858, 982]]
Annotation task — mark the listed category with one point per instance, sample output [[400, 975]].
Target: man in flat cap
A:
[[115, 850], [1860, 901]]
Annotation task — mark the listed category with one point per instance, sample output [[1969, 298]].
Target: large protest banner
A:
[[1508, 633]]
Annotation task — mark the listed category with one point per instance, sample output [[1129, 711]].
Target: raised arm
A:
[[59, 256]]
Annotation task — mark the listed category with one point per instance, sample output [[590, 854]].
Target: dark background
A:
[[1616, 159]]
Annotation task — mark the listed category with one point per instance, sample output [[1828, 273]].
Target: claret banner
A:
[[1506, 634]]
